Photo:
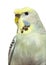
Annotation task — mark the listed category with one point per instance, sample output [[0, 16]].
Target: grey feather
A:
[[27, 50], [11, 50]]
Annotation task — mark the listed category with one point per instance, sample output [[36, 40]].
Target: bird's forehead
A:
[[20, 11]]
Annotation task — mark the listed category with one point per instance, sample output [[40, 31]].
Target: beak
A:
[[17, 16]]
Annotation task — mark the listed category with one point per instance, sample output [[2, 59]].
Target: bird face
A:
[[22, 13], [26, 20]]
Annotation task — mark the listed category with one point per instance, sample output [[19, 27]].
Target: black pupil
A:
[[26, 13]]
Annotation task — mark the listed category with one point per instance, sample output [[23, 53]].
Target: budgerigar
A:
[[29, 45]]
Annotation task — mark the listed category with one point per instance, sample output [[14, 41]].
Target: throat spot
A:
[[25, 28]]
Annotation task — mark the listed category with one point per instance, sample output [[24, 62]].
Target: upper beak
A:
[[17, 16]]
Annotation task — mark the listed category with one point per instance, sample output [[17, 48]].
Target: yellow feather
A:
[[20, 11]]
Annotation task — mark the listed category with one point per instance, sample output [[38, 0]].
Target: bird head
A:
[[27, 20]]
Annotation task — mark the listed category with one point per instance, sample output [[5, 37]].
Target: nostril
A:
[[17, 15]]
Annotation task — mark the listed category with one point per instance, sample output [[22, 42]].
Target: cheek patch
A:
[[26, 23]]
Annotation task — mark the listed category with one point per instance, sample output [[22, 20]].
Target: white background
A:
[[7, 25]]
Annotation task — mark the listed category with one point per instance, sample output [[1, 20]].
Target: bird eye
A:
[[26, 13]]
